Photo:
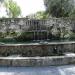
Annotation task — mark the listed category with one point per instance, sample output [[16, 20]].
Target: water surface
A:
[[51, 70]]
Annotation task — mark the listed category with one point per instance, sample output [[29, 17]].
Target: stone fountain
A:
[[41, 51]]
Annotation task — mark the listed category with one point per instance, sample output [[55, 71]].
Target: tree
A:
[[12, 9], [59, 8], [72, 13], [1, 1], [41, 15], [38, 15]]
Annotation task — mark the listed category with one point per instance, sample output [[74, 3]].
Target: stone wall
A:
[[37, 61], [37, 49], [56, 28], [22, 24]]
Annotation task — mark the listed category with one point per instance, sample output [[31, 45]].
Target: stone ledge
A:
[[37, 49], [46, 43], [37, 61]]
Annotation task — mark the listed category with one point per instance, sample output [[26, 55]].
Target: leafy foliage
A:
[[59, 8], [1, 0], [41, 15], [38, 15], [24, 36], [12, 9]]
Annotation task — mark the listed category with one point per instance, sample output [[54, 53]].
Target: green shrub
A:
[[25, 36], [2, 35], [7, 40], [13, 34], [72, 36]]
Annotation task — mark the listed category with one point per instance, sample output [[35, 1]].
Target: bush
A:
[[72, 36], [7, 40], [13, 34], [2, 35], [25, 36]]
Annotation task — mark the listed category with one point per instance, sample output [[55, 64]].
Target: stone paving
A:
[[52, 70]]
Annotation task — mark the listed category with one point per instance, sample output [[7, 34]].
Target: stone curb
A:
[[36, 61]]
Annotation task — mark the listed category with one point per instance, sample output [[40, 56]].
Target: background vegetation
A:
[[54, 8]]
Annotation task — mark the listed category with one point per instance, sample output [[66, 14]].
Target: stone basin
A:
[[37, 49], [37, 54], [37, 61]]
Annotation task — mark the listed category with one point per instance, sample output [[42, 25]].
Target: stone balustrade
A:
[[40, 29], [22, 24]]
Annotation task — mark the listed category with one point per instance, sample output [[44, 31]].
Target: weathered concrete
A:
[[23, 24], [22, 29], [37, 61], [37, 49]]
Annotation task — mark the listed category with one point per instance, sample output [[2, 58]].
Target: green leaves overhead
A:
[[12, 9]]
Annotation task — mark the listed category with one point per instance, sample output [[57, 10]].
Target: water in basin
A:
[[69, 54], [51, 70]]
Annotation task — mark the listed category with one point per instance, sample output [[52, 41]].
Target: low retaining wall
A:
[[36, 61], [37, 49]]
